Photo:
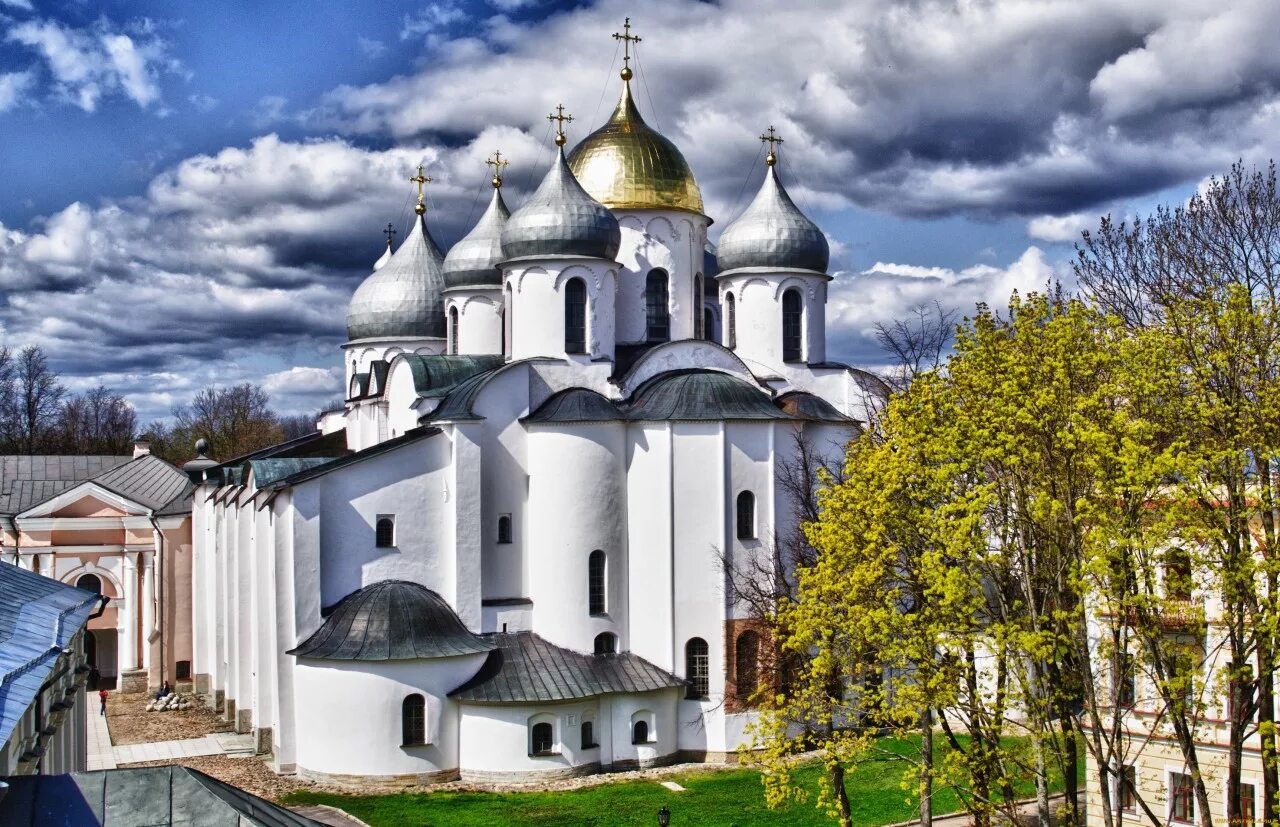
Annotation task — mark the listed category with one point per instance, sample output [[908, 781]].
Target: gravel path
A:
[[130, 723]]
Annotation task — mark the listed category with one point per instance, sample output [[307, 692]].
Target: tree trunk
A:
[[836, 773], [926, 768]]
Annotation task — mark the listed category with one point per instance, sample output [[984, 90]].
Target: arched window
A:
[[90, 583], [504, 528], [453, 330], [792, 326], [730, 321], [542, 743], [708, 324], [385, 531], [606, 643], [596, 603], [413, 720], [575, 316], [699, 327], [588, 735], [655, 306], [746, 515], [696, 667], [746, 658], [508, 320], [640, 732]]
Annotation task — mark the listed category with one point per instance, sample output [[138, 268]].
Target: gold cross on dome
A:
[[771, 138], [420, 180], [627, 39], [390, 233], [497, 162], [562, 119]]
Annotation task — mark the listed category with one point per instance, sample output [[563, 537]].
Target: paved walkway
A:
[[104, 756]]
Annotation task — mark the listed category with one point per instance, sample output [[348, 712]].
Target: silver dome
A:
[[773, 233], [473, 260], [402, 298], [560, 219]]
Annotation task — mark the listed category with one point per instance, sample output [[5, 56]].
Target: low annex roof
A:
[[525, 668], [437, 374], [169, 796], [576, 405], [391, 620], [699, 395], [805, 405], [38, 618], [28, 481]]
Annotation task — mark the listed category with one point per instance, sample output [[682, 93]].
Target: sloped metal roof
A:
[[391, 620], [805, 405], [38, 618], [576, 405], [147, 480], [525, 668], [27, 481], [435, 375], [269, 471], [168, 796], [700, 395], [335, 463]]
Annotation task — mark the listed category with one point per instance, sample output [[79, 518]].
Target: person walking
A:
[[102, 696]]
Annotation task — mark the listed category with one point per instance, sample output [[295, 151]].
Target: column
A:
[[127, 651], [148, 608]]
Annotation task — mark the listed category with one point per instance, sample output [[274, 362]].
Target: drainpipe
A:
[[13, 526], [161, 573]]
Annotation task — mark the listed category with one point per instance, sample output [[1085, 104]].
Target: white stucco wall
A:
[[479, 319], [758, 316], [668, 239], [538, 313]]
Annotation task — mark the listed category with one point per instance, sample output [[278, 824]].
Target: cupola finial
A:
[[497, 162], [771, 138], [420, 180], [627, 39], [390, 233], [561, 119]]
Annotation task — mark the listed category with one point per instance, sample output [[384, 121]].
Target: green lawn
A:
[[723, 797]]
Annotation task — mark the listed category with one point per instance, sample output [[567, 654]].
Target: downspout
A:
[[13, 526], [161, 572]]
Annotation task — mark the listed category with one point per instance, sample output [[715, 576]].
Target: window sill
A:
[[545, 754], [415, 746], [590, 746], [642, 743]]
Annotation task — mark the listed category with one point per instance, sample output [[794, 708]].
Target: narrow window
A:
[[385, 531], [504, 528], [640, 732], [413, 720], [596, 583], [1177, 574], [746, 655], [588, 736], [655, 305], [606, 643], [708, 324], [1129, 789], [182, 670], [575, 316], [1181, 806], [792, 325], [1126, 687], [697, 668], [90, 583], [542, 743], [1240, 692], [453, 330], [508, 321], [730, 322], [698, 326], [1247, 813], [746, 516]]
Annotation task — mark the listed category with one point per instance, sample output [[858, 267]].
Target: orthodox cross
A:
[[390, 233], [497, 162], [627, 39], [771, 138], [562, 119], [420, 180]]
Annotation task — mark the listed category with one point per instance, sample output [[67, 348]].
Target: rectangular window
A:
[[1129, 789], [385, 531], [1247, 814], [1126, 687], [504, 528], [1181, 801], [1240, 691]]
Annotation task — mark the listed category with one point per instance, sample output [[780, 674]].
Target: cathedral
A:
[[507, 556]]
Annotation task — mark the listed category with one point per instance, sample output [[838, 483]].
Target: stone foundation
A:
[[229, 710], [690, 756], [244, 720], [636, 764], [262, 741], [219, 701], [202, 683], [529, 776], [409, 780], [133, 680]]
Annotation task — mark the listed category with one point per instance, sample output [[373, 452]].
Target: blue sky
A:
[[192, 190]]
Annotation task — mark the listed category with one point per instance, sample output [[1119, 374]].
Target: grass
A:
[[717, 798]]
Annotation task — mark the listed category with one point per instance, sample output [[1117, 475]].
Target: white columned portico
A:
[[128, 641], [147, 615]]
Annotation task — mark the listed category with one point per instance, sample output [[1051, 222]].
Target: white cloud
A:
[[24, 5], [1061, 228], [303, 380], [431, 19], [370, 48], [13, 85], [203, 102]]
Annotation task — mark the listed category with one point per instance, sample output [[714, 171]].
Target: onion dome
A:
[[391, 620], [383, 259], [773, 234], [627, 165], [402, 298], [474, 259], [561, 219]]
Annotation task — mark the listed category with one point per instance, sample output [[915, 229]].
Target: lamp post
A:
[[664, 816]]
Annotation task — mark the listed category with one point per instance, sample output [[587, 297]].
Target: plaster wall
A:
[[538, 311], [666, 239], [479, 319], [650, 536], [758, 316]]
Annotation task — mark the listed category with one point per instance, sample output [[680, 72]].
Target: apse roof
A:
[[525, 668], [805, 405], [576, 405], [696, 395], [165, 796], [391, 620]]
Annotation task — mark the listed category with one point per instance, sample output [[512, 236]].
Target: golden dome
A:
[[626, 165]]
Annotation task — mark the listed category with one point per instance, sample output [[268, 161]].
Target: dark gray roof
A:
[[700, 395], [319, 470], [180, 504], [560, 219], [269, 471], [391, 620], [147, 480], [436, 375], [38, 618], [474, 259], [138, 797], [805, 405], [312, 444], [773, 234], [527, 669], [402, 298], [26, 481], [576, 405]]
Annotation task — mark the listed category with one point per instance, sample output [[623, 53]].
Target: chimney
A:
[[142, 446]]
